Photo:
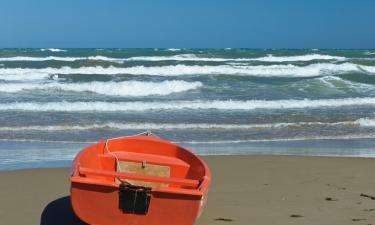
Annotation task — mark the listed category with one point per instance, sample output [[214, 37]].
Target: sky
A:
[[187, 24]]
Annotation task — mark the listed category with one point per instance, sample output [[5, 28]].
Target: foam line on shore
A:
[[97, 106], [187, 126]]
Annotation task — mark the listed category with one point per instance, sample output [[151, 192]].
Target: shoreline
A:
[[63, 165], [245, 190], [25, 155]]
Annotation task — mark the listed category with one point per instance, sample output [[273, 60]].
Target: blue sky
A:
[[193, 23]]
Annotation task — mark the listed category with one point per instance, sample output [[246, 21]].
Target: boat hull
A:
[[164, 209], [95, 199]]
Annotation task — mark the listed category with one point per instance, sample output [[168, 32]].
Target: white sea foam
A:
[[305, 138], [268, 58], [125, 88], [366, 122], [174, 126], [237, 63], [187, 105], [341, 84], [47, 58], [309, 57], [104, 58], [59, 58], [173, 49], [369, 69], [289, 70], [233, 141], [181, 57], [53, 50]]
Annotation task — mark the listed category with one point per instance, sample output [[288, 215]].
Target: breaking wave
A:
[[364, 122], [369, 69], [310, 57], [187, 105], [338, 83], [174, 126], [173, 49], [289, 70], [53, 50], [48, 58], [126, 88], [181, 57], [59, 58], [268, 58]]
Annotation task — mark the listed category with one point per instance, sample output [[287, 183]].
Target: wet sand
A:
[[256, 190]]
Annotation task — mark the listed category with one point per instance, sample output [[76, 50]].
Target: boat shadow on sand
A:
[[60, 212]]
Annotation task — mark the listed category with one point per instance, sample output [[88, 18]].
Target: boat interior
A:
[[142, 161]]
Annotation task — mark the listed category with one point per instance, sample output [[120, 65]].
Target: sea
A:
[[54, 102]]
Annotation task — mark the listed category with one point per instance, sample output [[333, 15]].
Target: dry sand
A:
[[246, 190]]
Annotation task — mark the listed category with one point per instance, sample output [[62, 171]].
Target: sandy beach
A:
[[259, 190]]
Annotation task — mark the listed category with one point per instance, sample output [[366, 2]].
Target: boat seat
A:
[[107, 173], [148, 164]]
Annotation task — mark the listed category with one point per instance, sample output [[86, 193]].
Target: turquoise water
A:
[[215, 101]]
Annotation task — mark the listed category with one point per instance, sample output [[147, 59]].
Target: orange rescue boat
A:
[[142, 180]]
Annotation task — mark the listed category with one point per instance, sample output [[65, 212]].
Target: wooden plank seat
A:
[[146, 164], [148, 178], [149, 158]]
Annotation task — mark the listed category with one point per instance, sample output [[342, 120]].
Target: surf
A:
[[289, 70], [125, 88], [98, 106], [366, 122]]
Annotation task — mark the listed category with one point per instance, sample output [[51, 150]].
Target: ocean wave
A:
[[304, 138], [175, 126], [181, 57], [268, 58], [309, 57], [125, 88], [187, 105], [227, 141], [369, 69], [47, 58], [289, 70], [104, 58], [173, 49], [53, 50], [342, 84], [366, 122], [59, 58]]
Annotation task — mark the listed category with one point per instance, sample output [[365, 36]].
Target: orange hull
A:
[[174, 194]]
